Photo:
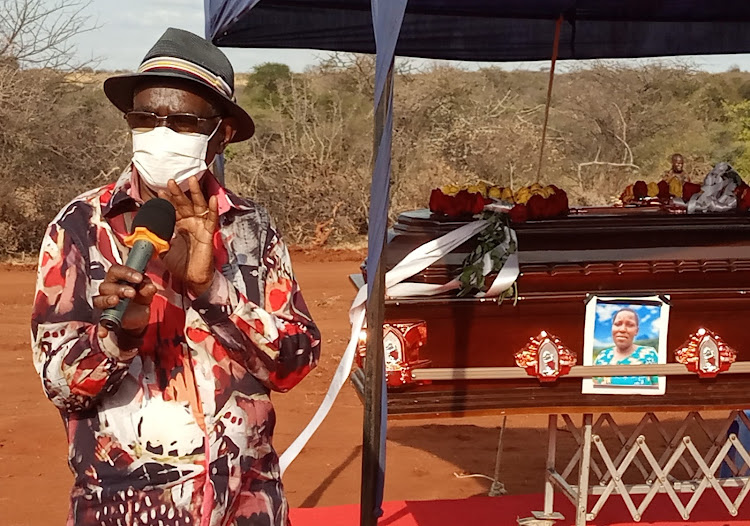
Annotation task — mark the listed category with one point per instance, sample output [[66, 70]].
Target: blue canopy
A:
[[491, 30]]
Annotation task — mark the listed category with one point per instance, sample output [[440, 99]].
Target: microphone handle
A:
[[138, 258]]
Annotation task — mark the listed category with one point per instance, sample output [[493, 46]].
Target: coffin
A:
[[701, 262]]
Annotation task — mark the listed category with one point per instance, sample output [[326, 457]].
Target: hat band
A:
[[178, 64]]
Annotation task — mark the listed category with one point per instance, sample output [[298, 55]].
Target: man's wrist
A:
[[196, 290]]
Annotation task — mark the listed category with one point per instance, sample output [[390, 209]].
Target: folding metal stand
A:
[[599, 473]]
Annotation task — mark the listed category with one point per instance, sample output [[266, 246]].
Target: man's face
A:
[[677, 164], [170, 98]]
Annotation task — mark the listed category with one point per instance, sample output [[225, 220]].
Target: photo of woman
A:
[[625, 331], [625, 328]]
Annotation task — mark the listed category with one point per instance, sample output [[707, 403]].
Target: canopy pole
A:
[[555, 47], [372, 471]]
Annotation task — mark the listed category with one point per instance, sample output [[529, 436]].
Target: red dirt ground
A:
[[423, 455]]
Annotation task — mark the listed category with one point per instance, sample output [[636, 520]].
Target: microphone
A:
[[153, 227]]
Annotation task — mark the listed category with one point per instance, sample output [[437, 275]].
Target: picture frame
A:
[[627, 331]]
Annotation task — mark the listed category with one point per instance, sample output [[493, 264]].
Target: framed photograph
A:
[[626, 331]]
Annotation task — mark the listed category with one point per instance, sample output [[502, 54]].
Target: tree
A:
[[740, 114], [39, 33], [266, 81]]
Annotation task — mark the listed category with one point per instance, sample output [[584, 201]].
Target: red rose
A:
[[663, 191], [743, 197], [743, 205], [454, 206], [518, 214], [537, 207], [477, 204], [640, 189], [689, 190], [563, 206], [464, 202], [437, 200]]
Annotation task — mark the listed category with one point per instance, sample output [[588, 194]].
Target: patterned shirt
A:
[[178, 430], [641, 356]]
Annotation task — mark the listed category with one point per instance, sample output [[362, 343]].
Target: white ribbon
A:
[[415, 262]]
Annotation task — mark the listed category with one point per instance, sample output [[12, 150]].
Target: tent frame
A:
[[373, 438]]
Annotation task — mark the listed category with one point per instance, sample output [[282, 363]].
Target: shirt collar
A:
[[125, 193]]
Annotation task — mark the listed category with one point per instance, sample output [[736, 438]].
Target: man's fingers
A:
[[123, 290], [122, 273], [105, 302], [213, 213], [182, 204], [146, 293], [196, 194]]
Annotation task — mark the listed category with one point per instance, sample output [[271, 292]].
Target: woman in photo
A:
[[625, 327]]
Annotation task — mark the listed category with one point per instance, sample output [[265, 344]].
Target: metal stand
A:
[[636, 457]]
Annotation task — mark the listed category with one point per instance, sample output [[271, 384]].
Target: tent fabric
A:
[[491, 30], [387, 20]]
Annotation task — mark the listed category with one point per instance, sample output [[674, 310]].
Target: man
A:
[[677, 170], [169, 419]]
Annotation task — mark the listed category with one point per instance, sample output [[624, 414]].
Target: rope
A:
[[555, 47]]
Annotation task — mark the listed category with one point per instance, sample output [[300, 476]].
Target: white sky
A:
[[128, 29]]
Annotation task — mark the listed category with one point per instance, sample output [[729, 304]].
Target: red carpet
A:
[[503, 511]]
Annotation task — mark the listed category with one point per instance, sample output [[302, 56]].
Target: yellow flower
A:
[[523, 195], [474, 189], [547, 191], [507, 194], [675, 187], [495, 192], [535, 187], [482, 188], [653, 189], [627, 195], [450, 189]]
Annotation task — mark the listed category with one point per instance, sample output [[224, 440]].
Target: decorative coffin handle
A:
[[545, 357], [706, 354]]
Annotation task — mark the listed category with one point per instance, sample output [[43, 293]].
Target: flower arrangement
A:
[[457, 203], [530, 202], [539, 202], [641, 192]]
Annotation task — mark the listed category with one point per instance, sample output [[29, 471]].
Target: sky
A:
[[128, 28]]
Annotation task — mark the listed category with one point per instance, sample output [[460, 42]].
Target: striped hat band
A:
[[191, 68]]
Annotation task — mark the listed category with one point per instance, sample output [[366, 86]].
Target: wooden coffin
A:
[[702, 262]]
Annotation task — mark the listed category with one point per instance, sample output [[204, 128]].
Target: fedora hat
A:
[[180, 54]]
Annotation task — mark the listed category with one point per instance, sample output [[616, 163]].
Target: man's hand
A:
[[191, 253], [138, 288]]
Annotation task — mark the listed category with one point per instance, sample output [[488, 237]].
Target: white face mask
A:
[[162, 154]]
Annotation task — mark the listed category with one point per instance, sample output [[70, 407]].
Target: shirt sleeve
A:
[[278, 342], [75, 365]]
